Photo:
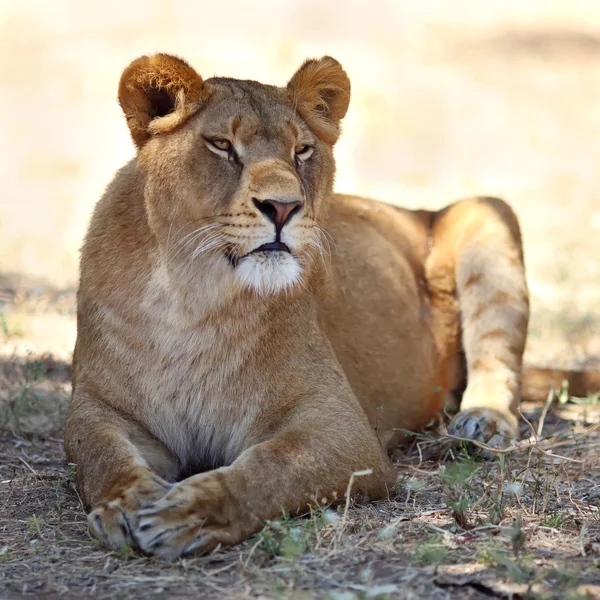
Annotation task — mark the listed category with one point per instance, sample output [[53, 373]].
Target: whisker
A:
[[207, 243], [211, 241], [316, 245], [326, 236], [183, 242]]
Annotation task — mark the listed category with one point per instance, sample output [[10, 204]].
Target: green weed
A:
[[457, 481], [430, 551], [291, 537]]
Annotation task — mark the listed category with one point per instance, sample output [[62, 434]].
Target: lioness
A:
[[247, 339]]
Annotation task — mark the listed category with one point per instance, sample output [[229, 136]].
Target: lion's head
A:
[[237, 174]]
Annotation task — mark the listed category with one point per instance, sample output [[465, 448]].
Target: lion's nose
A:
[[279, 213]]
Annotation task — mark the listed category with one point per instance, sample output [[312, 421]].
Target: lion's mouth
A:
[[272, 247]]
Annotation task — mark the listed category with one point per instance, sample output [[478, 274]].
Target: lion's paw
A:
[[189, 519], [114, 521], [485, 425]]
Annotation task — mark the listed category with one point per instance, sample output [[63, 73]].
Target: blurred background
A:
[[449, 98]]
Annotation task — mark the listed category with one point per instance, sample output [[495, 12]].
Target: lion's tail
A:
[[536, 382]]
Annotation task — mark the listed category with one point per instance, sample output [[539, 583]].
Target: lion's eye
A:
[[224, 148], [221, 144], [304, 152]]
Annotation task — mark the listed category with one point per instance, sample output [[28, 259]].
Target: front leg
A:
[[120, 467], [312, 459]]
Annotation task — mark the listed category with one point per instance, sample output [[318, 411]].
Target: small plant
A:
[[413, 486], [497, 556], [71, 473], [34, 527], [555, 521], [457, 480], [542, 485], [5, 554], [127, 552], [291, 538], [496, 513], [499, 492], [431, 551], [517, 537], [22, 399]]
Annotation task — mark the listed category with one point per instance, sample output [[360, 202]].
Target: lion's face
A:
[[238, 181], [256, 184]]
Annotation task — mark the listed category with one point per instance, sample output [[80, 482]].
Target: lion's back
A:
[[373, 304]]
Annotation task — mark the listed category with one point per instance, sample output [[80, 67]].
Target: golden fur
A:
[[215, 385]]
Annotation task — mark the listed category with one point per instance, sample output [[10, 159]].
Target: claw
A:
[[145, 526], [115, 538], [484, 425], [125, 527], [470, 428], [197, 543], [95, 521], [149, 542], [156, 509], [157, 540]]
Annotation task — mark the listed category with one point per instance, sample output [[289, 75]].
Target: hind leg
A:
[[479, 295]]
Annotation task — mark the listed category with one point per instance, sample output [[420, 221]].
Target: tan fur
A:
[[149, 77], [215, 387], [320, 92]]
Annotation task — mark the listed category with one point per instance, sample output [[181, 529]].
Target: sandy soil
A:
[[524, 525]]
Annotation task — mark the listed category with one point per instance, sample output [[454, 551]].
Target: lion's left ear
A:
[[157, 94], [320, 91]]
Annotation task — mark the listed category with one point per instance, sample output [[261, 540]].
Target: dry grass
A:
[[524, 524]]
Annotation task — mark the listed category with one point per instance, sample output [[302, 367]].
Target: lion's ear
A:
[[157, 94], [320, 91]]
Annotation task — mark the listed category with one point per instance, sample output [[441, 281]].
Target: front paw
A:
[[113, 521], [485, 425], [193, 517]]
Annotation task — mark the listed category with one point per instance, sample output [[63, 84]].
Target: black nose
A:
[[277, 212]]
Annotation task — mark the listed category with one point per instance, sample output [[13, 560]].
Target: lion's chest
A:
[[196, 400], [189, 379], [185, 359]]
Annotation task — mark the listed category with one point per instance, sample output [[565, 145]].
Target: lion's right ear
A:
[[158, 94]]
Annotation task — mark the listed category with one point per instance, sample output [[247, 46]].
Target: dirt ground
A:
[[523, 525], [447, 102]]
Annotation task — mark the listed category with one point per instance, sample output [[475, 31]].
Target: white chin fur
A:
[[269, 272]]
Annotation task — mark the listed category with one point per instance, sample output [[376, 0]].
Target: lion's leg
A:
[[310, 461], [119, 467], [477, 260]]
